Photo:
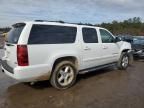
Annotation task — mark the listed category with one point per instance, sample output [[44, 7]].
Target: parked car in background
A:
[[138, 47], [137, 43], [126, 38], [5, 34]]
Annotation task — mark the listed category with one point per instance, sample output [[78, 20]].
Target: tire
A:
[[63, 75], [131, 59], [123, 62]]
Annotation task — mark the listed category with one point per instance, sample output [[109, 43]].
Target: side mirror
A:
[[117, 39]]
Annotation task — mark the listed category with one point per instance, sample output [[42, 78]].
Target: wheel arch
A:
[[125, 50], [73, 59]]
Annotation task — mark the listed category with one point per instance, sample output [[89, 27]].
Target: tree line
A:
[[132, 26], [5, 29]]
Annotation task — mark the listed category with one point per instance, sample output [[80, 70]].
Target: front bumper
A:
[[139, 53]]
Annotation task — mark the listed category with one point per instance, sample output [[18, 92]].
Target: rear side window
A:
[[51, 34], [14, 34], [89, 35]]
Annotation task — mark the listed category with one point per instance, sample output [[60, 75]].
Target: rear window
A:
[[14, 34], [52, 34]]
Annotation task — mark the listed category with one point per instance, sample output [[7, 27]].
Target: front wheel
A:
[[64, 75], [123, 62]]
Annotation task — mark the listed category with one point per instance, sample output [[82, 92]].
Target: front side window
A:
[[52, 34], [89, 35], [106, 36]]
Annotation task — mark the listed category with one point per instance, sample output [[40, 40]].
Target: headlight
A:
[[140, 51]]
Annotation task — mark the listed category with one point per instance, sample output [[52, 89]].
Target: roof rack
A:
[[49, 21], [64, 22]]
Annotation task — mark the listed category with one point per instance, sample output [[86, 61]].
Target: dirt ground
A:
[[107, 88]]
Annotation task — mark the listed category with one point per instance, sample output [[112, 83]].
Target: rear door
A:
[[91, 47], [11, 44]]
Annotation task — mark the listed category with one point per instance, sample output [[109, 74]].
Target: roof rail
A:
[[49, 21], [39, 20], [64, 22]]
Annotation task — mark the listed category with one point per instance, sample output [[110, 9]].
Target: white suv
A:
[[40, 50]]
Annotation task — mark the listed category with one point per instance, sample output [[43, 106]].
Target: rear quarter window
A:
[[14, 33], [52, 34]]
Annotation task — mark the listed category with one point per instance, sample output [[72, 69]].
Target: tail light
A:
[[22, 55]]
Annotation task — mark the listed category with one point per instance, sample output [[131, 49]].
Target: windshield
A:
[[14, 33], [138, 41]]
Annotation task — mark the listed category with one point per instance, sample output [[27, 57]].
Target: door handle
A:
[[105, 47], [87, 48]]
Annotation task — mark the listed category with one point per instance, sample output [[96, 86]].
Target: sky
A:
[[74, 11]]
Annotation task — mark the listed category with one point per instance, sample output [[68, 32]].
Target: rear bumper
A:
[[7, 67], [27, 73]]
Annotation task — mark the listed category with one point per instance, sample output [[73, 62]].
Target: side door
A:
[[110, 49], [91, 55]]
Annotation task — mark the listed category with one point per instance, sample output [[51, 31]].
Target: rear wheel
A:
[[123, 62], [64, 75]]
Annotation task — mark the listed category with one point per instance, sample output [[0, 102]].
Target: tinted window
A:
[[106, 36], [14, 33], [89, 35], [51, 34]]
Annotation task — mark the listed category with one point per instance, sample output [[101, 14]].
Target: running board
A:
[[96, 68]]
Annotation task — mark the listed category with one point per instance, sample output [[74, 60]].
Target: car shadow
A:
[[46, 84], [40, 85], [94, 73]]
